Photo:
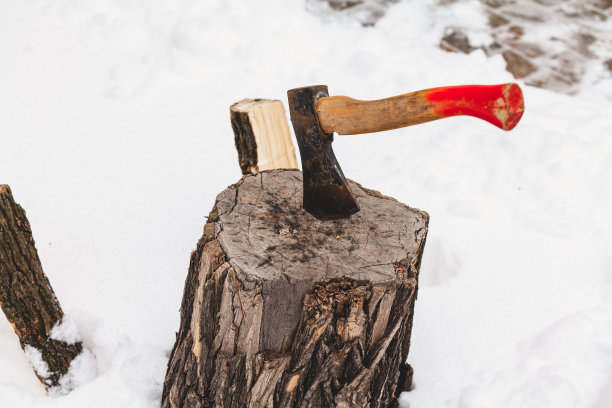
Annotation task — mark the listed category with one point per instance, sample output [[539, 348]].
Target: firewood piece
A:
[[282, 309], [262, 136], [26, 297]]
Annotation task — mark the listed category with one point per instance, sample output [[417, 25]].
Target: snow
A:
[[115, 138], [66, 331], [544, 374], [36, 359], [82, 370]]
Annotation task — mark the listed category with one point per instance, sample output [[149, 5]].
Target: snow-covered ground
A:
[[562, 45], [115, 137]]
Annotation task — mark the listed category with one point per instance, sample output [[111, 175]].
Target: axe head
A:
[[326, 192]]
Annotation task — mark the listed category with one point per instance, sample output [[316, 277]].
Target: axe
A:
[[316, 116]]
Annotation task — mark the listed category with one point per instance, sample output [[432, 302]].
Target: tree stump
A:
[[27, 299], [281, 309]]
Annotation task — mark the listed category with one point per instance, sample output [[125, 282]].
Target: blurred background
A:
[[115, 137], [561, 45]]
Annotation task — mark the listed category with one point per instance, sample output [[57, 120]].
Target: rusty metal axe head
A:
[[326, 191], [316, 116]]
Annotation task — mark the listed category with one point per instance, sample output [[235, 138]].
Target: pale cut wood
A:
[[262, 136], [26, 296], [281, 309]]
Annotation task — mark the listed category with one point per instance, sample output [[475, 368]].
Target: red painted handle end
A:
[[500, 105], [515, 106]]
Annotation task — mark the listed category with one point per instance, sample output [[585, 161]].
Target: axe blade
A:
[[326, 191]]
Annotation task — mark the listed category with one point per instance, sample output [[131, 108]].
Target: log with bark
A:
[[281, 309], [27, 299], [262, 136]]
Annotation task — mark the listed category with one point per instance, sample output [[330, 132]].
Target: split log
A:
[[281, 309], [26, 297], [262, 136]]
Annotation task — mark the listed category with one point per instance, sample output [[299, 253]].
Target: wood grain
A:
[[501, 105], [262, 136]]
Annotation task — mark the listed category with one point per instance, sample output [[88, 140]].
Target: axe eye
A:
[[326, 193]]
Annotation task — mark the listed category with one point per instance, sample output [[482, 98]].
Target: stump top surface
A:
[[266, 234]]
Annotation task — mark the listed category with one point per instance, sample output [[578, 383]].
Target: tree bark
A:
[[26, 297], [262, 136], [281, 309]]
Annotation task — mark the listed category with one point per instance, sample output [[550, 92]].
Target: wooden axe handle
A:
[[501, 105]]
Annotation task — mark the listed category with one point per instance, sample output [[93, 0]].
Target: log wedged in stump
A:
[[262, 135], [26, 296], [281, 309]]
